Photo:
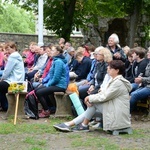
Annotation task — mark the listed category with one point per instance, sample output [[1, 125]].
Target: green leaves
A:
[[17, 20]]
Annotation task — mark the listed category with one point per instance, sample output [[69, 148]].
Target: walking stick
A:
[[16, 108]]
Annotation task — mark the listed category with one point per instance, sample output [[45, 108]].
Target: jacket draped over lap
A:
[[115, 101]]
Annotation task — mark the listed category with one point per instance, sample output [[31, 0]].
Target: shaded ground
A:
[[73, 141]]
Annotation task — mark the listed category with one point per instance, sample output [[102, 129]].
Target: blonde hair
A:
[[126, 49], [107, 54], [80, 49], [79, 52]]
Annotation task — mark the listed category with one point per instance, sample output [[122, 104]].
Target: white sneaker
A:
[[92, 123], [98, 125]]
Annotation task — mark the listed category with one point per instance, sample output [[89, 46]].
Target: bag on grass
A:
[[31, 105], [77, 107]]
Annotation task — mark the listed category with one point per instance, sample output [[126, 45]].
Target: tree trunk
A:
[[69, 9], [134, 18]]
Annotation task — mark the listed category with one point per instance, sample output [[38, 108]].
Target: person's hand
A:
[[138, 80], [91, 88], [86, 101], [117, 55], [99, 90], [30, 69], [37, 75], [40, 80]]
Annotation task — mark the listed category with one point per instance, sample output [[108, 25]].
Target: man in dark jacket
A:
[[84, 66]]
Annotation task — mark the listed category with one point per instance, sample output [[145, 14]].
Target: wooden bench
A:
[[145, 104], [63, 104], [12, 105]]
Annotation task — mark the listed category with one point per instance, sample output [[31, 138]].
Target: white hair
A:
[[115, 37]]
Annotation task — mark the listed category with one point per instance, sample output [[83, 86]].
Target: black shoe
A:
[[80, 128], [62, 127]]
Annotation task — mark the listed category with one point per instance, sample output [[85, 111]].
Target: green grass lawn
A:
[[42, 135]]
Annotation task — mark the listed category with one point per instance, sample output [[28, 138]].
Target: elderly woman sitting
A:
[[112, 102]]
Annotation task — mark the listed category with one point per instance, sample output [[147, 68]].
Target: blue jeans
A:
[[83, 91], [139, 94], [135, 86]]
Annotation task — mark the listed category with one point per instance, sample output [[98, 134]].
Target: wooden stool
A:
[[63, 104], [12, 105]]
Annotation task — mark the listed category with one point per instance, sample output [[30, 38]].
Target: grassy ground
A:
[[40, 135]]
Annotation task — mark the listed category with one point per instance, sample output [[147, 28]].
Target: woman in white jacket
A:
[[14, 71], [112, 101]]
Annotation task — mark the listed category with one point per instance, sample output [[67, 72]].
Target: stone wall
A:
[[23, 40], [98, 34]]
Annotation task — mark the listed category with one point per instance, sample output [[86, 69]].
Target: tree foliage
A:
[[15, 19], [62, 16]]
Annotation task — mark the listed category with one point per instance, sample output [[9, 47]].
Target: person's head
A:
[[33, 47], [79, 55], [138, 53], [113, 40], [91, 48], [1, 47], [104, 54], [126, 49], [135, 45], [115, 68], [129, 56], [61, 41], [71, 51], [42, 50], [81, 49], [48, 49], [67, 45], [56, 50], [96, 51], [10, 47]]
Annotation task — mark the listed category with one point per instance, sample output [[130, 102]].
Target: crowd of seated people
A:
[[47, 68]]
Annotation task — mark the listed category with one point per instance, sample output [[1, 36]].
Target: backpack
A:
[[30, 86], [31, 105]]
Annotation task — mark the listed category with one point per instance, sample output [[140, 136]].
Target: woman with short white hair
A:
[[115, 49]]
